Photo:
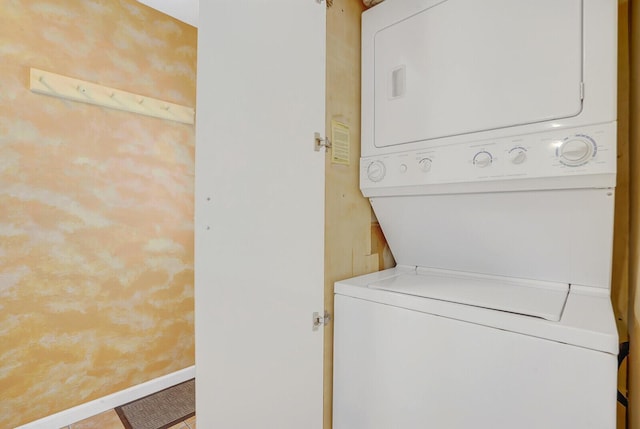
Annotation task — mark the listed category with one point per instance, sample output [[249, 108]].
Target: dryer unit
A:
[[438, 72], [489, 157]]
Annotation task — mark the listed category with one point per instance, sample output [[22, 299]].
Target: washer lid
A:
[[545, 300]]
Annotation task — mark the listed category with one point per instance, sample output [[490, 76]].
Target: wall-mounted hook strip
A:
[[56, 85]]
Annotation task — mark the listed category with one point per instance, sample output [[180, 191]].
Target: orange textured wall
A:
[[96, 206]]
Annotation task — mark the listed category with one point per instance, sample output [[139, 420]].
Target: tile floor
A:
[[110, 420]]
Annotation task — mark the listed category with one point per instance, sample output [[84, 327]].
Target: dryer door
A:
[[516, 62]]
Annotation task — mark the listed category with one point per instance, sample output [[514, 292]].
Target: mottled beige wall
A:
[[96, 206]]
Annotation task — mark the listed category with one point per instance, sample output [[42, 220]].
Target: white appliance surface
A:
[[431, 89], [582, 157], [528, 297], [562, 236], [489, 158], [438, 72], [586, 321], [408, 369]]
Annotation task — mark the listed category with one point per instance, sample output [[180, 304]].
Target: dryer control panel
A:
[[569, 158]]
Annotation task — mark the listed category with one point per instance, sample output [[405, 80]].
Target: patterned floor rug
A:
[[160, 410]]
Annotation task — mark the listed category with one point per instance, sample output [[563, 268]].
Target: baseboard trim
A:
[[100, 405]]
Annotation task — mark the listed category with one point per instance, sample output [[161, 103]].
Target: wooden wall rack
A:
[[43, 82]]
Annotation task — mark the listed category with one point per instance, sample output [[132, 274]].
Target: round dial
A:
[[425, 164], [577, 150], [376, 171], [482, 159], [518, 155]]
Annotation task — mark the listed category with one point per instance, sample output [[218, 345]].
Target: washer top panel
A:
[[587, 320], [527, 297]]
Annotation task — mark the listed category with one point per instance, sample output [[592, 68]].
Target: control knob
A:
[[577, 150], [425, 164], [482, 159], [518, 155], [376, 171]]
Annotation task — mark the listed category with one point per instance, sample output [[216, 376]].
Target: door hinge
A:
[[319, 142], [320, 320]]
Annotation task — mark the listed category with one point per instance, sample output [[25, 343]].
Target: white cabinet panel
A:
[[259, 214]]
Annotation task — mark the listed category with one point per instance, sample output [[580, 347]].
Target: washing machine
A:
[[489, 159], [506, 353]]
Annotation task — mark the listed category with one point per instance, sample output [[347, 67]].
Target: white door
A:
[[259, 214]]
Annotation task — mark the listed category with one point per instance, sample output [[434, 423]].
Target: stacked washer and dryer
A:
[[489, 158]]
